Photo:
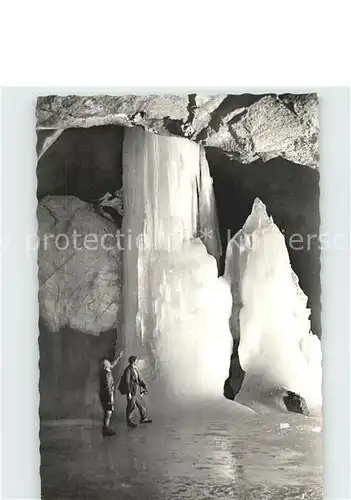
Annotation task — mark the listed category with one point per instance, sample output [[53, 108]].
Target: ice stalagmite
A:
[[176, 309], [277, 349]]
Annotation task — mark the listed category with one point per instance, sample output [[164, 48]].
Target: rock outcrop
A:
[[246, 127], [295, 403], [80, 267]]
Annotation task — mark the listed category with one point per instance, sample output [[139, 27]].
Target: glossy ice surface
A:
[[224, 452]]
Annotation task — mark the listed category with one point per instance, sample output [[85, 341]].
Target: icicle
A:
[[208, 224]]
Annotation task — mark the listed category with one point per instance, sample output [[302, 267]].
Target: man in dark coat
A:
[[135, 388], [107, 392]]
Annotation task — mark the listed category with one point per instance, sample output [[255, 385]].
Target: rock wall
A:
[[80, 267], [80, 304], [69, 372], [86, 163]]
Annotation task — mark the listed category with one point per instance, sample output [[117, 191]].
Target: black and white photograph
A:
[[179, 292]]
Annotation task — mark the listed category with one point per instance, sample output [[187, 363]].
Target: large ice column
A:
[[160, 212], [269, 311], [176, 309]]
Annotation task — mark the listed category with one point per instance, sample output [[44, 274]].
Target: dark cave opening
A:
[[82, 162]]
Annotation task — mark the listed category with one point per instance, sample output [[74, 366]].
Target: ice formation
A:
[[176, 308], [269, 314]]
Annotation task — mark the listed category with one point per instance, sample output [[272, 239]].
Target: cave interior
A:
[[87, 163]]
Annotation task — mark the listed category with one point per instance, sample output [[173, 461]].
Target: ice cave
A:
[[197, 280]]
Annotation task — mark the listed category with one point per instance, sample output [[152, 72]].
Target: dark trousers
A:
[[132, 404], [107, 406]]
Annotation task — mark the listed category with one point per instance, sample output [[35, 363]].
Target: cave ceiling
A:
[[246, 127]]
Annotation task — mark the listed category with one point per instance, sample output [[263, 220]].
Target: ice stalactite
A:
[[277, 350], [176, 308], [208, 228]]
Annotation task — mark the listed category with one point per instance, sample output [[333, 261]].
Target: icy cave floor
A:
[[198, 454]]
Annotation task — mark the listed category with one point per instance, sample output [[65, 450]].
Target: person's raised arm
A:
[[116, 359]]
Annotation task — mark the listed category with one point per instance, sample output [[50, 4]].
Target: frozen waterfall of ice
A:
[[176, 308], [269, 314]]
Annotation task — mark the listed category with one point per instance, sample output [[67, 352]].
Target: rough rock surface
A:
[[295, 403], [80, 277], [112, 205], [246, 127]]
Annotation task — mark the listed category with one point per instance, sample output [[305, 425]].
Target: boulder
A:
[[295, 403], [80, 267]]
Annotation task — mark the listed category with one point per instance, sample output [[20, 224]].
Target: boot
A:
[[132, 424], [107, 432], [145, 421]]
